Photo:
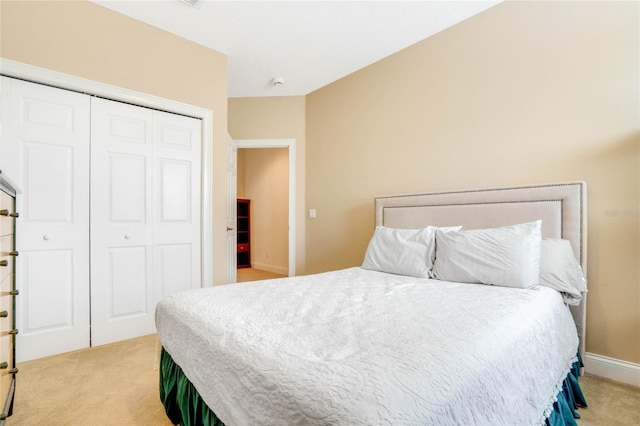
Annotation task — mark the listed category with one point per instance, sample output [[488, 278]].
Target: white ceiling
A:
[[308, 43]]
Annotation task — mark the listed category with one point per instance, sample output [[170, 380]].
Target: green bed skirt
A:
[[181, 400], [569, 399], [183, 404]]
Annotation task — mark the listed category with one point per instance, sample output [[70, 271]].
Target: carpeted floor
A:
[[114, 384], [117, 384], [610, 403], [252, 274]]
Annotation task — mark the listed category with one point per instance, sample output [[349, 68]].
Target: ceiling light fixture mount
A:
[[194, 3], [277, 81]]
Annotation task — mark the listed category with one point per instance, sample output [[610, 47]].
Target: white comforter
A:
[[358, 347]]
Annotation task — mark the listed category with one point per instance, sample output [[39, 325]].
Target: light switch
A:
[[312, 213]]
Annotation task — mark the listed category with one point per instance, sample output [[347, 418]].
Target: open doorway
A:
[[263, 220], [266, 176]]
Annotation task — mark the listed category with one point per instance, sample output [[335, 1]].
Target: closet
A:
[[110, 214]]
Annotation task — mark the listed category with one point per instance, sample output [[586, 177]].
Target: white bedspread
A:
[[358, 347]]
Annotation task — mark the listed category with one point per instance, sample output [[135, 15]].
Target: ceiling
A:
[[308, 44]]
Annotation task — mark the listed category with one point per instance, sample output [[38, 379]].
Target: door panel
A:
[[128, 282], [175, 191], [145, 215], [48, 289], [46, 143], [177, 194], [232, 214], [177, 136], [47, 112], [175, 266], [127, 197], [121, 226], [51, 195], [127, 129]]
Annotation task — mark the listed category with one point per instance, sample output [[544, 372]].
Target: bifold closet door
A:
[[45, 147], [93, 265], [145, 215], [176, 200]]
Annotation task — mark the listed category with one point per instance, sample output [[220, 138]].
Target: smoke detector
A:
[[277, 81]]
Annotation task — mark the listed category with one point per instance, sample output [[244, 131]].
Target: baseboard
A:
[[282, 270], [611, 368]]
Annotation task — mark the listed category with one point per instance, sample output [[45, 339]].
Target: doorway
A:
[[251, 145]]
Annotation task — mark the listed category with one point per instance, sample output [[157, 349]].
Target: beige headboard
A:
[[561, 206]]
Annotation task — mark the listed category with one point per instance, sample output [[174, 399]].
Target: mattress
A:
[[364, 347]]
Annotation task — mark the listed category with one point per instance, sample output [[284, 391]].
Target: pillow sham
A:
[[402, 251], [560, 270], [508, 256]]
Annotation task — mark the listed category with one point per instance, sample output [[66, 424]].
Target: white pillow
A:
[[401, 251], [507, 256], [560, 270]]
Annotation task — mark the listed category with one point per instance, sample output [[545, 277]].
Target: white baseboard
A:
[[282, 270], [611, 368]]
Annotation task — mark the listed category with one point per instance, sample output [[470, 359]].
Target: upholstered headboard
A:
[[561, 206]]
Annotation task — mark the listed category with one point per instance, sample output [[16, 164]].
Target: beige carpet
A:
[[610, 403], [252, 274], [114, 384], [117, 384]]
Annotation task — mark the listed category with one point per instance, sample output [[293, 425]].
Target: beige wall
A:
[[277, 118], [240, 185], [264, 173], [89, 41], [524, 93]]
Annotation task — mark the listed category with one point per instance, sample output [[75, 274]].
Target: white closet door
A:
[[143, 168], [145, 215], [176, 200], [121, 222], [45, 144]]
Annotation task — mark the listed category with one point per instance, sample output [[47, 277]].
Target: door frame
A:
[[290, 144], [61, 80]]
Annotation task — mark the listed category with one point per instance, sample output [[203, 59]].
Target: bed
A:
[[396, 341]]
